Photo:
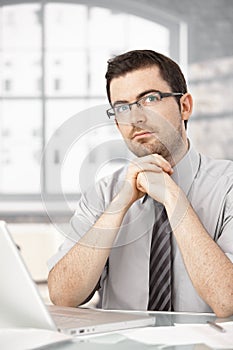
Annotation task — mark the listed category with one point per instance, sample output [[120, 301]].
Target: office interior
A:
[[53, 58]]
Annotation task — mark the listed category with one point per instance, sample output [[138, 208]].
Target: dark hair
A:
[[137, 59]]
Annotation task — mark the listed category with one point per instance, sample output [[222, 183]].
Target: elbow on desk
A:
[[223, 313], [60, 295], [220, 299], [224, 309], [59, 298], [55, 294]]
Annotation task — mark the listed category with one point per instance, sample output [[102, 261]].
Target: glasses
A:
[[122, 110]]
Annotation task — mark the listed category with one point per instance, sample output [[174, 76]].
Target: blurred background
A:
[[53, 58]]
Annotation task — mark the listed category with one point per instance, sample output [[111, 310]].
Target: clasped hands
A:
[[149, 174]]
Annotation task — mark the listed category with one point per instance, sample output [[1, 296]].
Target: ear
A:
[[186, 105]]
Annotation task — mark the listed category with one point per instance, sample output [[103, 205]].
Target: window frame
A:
[[178, 51]]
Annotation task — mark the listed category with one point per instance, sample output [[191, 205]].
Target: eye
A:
[[121, 109], [151, 98]]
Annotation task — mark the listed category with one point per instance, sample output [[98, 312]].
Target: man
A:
[[110, 247]]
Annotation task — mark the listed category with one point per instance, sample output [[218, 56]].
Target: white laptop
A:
[[22, 306]]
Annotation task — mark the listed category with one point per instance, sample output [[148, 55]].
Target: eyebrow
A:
[[143, 93]]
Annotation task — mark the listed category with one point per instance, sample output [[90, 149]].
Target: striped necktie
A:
[[160, 294]]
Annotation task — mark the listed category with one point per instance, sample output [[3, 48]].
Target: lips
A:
[[141, 134]]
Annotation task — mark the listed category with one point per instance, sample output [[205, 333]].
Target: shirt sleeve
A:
[[89, 208]]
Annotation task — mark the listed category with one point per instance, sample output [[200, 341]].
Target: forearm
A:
[[75, 276], [209, 268]]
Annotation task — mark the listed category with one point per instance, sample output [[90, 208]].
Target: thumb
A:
[[142, 182]]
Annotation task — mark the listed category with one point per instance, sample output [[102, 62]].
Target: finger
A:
[[136, 169], [144, 163], [155, 159], [163, 163], [153, 184], [142, 182]]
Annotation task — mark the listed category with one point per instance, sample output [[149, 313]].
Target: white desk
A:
[[119, 340]]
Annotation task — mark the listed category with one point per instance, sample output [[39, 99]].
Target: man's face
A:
[[158, 129]]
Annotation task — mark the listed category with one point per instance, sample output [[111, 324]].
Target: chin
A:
[[141, 150]]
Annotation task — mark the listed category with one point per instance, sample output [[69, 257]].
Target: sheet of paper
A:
[[184, 334], [29, 338]]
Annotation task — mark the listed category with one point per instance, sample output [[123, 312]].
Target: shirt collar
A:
[[186, 170]]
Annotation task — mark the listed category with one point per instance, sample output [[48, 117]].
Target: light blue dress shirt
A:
[[207, 183]]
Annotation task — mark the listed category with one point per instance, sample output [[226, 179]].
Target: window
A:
[[53, 62]]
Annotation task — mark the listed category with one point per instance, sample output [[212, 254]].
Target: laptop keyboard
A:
[[69, 322]]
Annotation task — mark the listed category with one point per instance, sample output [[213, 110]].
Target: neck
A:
[[179, 152]]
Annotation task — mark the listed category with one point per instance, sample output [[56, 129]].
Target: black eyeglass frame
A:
[[110, 112]]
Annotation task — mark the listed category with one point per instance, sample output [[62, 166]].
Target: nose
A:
[[137, 115]]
